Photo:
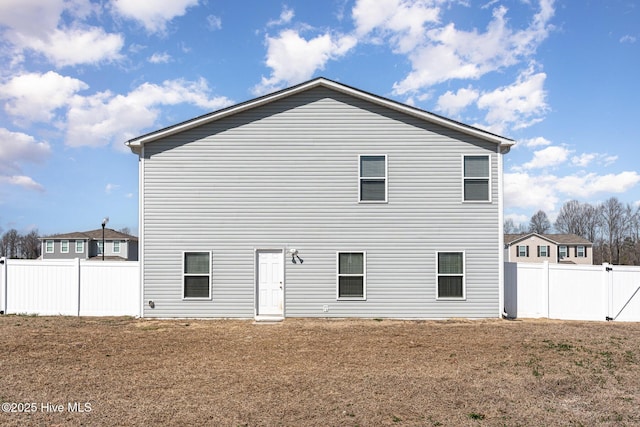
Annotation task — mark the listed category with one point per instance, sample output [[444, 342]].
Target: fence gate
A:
[[624, 293]]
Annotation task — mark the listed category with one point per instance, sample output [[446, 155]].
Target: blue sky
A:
[[79, 78]]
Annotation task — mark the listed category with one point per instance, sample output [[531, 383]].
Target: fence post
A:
[[77, 267], [545, 289], [607, 292], [3, 284]]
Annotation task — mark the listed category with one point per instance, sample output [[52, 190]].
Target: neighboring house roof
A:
[[109, 234], [558, 239], [135, 144]]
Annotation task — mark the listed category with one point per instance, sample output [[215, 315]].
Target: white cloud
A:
[[35, 18], [518, 105], [294, 59], [452, 103], [160, 58], [522, 190], [534, 142], [15, 149], [285, 17], [446, 52], [584, 159], [153, 15], [214, 22], [34, 97], [109, 188], [548, 157], [104, 117], [628, 39], [588, 185], [402, 21]]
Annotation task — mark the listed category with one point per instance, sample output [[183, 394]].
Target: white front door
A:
[[270, 283]]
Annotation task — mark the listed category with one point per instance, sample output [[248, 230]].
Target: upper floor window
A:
[[64, 246], [48, 246], [79, 246], [581, 251], [563, 252], [543, 251], [476, 179], [116, 246], [523, 251], [373, 178]]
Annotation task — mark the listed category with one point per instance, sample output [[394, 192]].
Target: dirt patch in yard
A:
[[119, 371]]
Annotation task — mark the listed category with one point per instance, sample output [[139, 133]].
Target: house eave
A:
[[137, 143]]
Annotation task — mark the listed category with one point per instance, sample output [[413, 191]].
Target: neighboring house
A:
[[321, 200], [555, 248], [88, 245]]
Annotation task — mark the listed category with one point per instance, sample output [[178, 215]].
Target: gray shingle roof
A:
[[109, 234], [559, 239]]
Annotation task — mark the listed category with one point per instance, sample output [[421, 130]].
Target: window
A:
[[450, 273], [543, 251], [64, 246], [476, 178], [100, 248], [373, 179], [79, 246], [351, 275], [523, 251], [562, 252], [581, 252], [48, 246], [196, 269], [116, 246]]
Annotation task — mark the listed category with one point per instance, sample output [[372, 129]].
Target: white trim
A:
[[364, 276], [488, 178], [256, 298], [378, 178], [209, 275], [82, 242], [503, 142], [46, 247], [500, 178], [141, 227], [62, 250], [464, 276]]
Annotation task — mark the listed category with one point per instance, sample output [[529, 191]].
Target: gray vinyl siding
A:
[[285, 175]]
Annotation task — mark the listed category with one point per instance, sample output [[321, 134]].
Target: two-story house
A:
[[555, 248], [89, 245], [321, 200]]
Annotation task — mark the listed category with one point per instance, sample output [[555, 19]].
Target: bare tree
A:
[[570, 219], [30, 245], [539, 223], [509, 226], [613, 225], [10, 243]]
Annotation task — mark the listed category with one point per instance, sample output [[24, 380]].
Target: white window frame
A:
[[526, 251], [584, 251], [546, 251], [464, 277], [566, 252], [100, 247], [488, 178], [81, 243], [64, 243], [209, 275], [46, 246], [364, 276], [385, 178], [116, 248]]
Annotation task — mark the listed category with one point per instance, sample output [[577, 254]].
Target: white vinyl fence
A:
[[572, 292], [70, 287]]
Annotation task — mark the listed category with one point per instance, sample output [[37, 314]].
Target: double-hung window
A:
[[196, 269], [543, 251], [100, 247], [523, 251], [116, 246], [79, 246], [476, 179], [48, 246], [64, 246], [352, 275], [581, 251], [372, 178], [563, 252], [450, 275]]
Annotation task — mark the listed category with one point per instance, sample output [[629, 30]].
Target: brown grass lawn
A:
[[318, 372]]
